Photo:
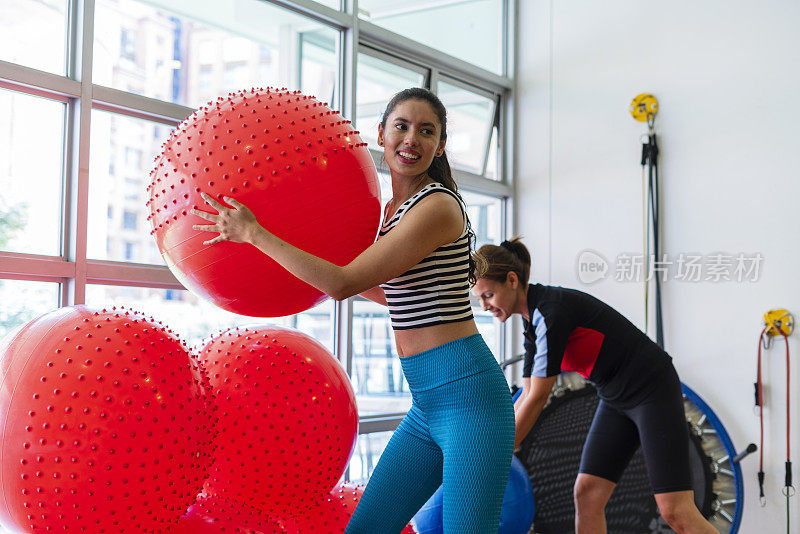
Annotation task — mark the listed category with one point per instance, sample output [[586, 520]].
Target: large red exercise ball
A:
[[516, 514], [105, 427], [300, 167], [332, 514], [215, 515], [287, 418]]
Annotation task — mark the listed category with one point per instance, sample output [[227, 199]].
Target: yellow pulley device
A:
[[778, 323], [644, 107]]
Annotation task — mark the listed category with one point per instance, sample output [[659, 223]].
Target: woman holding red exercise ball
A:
[[459, 432]]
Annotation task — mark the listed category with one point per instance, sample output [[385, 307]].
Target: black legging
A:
[[658, 423]]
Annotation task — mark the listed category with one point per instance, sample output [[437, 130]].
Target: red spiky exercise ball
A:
[[287, 418], [215, 515], [105, 426], [332, 514], [300, 167]]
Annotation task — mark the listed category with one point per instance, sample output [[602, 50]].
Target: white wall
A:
[[727, 76]]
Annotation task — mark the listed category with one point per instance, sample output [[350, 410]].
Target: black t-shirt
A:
[[570, 330]]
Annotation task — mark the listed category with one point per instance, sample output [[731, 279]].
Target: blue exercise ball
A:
[[516, 515]]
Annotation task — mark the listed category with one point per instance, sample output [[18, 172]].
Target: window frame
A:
[[73, 270]]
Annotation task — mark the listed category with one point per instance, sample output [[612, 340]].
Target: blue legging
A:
[[459, 433]]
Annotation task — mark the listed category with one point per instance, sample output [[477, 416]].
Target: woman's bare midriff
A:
[[414, 341]]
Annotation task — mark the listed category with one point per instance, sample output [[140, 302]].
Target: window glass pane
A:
[[23, 301], [491, 160], [377, 377], [386, 187], [489, 328], [32, 156], [191, 52], [369, 448], [484, 216], [34, 34], [123, 149], [335, 4], [469, 123], [319, 74], [378, 81], [194, 319], [470, 29]]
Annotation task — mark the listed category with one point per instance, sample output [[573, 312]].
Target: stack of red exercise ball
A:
[[110, 424]]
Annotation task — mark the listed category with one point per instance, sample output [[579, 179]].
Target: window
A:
[[23, 301], [492, 171], [205, 79], [319, 50], [470, 120], [368, 449], [484, 213], [31, 149], [211, 38], [127, 46], [129, 220], [137, 140], [335, 4], [180, 55], [133, 157], [130, 251], [473, 30], [378, 81], [194, 319], [235, 76], [34, 34], [377, 378], [485, 216]]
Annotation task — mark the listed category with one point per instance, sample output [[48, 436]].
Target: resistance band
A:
[[764, 340]]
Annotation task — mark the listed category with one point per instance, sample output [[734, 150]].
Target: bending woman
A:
[[641, 401], [459, 432]]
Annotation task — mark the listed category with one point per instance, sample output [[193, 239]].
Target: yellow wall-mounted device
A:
[[644, 107], [778, 322]]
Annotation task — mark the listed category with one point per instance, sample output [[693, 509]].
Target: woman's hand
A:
[[236, 224]]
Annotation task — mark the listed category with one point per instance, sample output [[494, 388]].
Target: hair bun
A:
[[518, 249]]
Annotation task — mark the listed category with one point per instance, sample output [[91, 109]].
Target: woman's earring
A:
[[380, 143]]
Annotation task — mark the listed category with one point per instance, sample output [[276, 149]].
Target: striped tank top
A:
[[436, 290]]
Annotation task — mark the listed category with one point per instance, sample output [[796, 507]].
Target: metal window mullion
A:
[[433, 80], [45, 268], [37, 82], [69, 166], [504, 44], [130, 274], [141, 107], [344, 324], [315, 11], [504, 327], [479, 184], [371, 424], [507, 127], [414, 66], [79, 173], [468, 86], [348, 61], [510, 39]]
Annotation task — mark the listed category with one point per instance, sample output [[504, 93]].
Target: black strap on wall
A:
[[650, 164]]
